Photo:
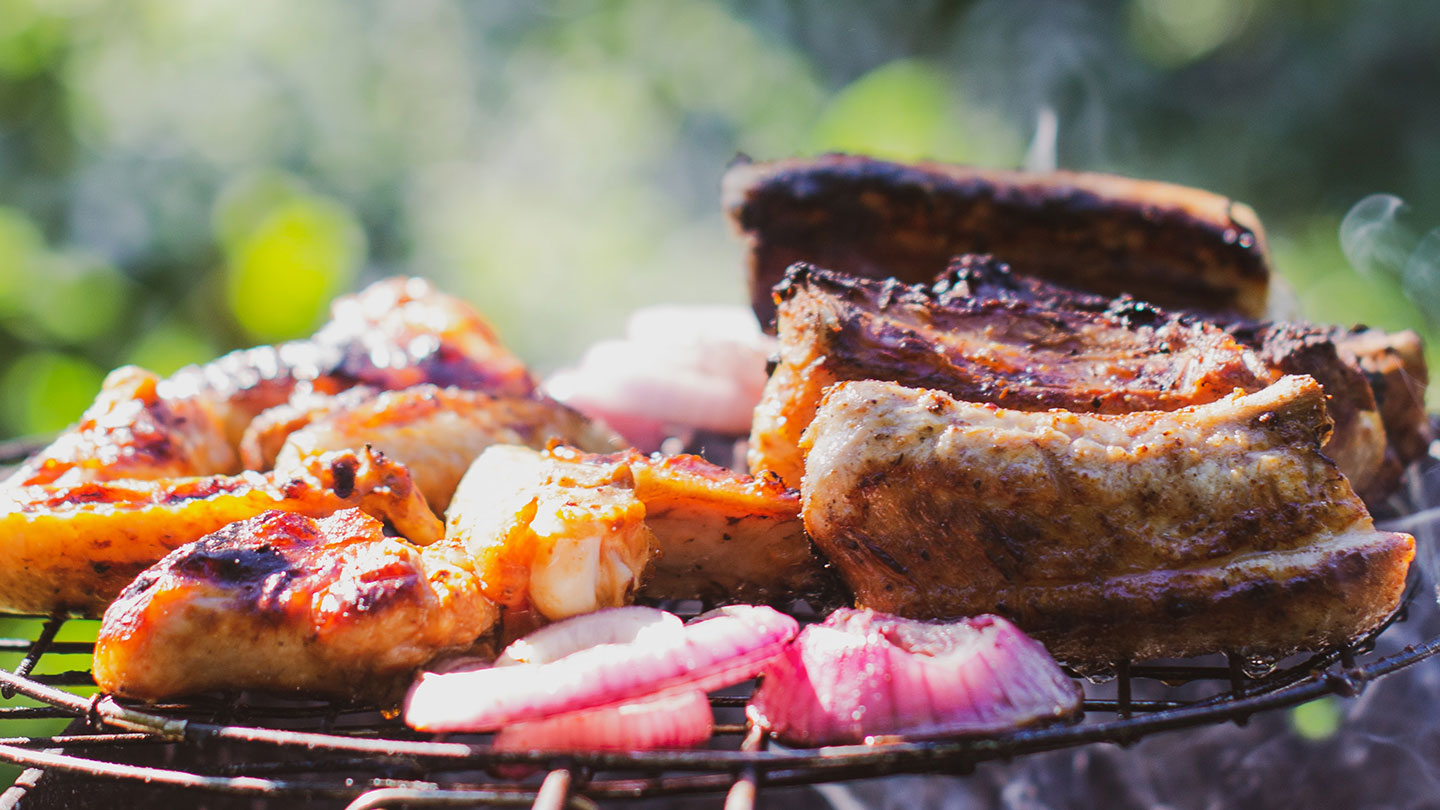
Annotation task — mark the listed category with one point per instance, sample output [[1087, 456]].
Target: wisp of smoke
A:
[[1377, 240]]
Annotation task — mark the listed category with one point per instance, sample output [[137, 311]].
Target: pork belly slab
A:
[[1216, 527], [1179, 247], [984, 334]]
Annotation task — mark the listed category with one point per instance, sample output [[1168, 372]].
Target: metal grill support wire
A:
[[445, 770]]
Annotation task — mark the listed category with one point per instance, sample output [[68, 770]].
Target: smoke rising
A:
[[1378, 239]]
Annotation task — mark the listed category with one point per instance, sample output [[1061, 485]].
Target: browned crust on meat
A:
[[1394, 362], [288, 603], [1220, 527], [984, 335], [1178, 247]]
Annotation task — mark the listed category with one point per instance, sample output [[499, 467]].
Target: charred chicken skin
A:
[[286, 602], [1218, 527], [1178, 247], [394, 334], [436, 432], [73, 548]]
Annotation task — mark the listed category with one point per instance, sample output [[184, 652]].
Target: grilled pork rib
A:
[[75, 547], [1175, 246], [986, 335], [979, 339], [291, 604], [1152, 534]]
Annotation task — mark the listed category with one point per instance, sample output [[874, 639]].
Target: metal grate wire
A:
[[313, 749]]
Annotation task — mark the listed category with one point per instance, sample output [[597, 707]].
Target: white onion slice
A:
[[861, 675], [722, 648], [679, 720]]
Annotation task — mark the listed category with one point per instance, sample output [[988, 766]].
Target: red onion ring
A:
[[678, 720], [863, 674], [716, 650]]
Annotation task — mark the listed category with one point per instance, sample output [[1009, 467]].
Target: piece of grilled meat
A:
[[394, 334], [1219, 527], [436, 432], [983, 335], [289, 603], [1178, 247], [73, 548], [562, 532]]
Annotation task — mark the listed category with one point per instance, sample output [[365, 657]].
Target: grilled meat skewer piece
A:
[[73, 548], [1219, 527], [436, 432], [288, 603], [1014, 347], [562, 532], [1178, 247], [394, 334]]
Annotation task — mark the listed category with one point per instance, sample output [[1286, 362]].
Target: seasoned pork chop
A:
[[75, 547], [1175, 246], [983, 336], [289, 603], [1215, 527]]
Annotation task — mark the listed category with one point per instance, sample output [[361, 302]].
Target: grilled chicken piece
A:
[[434, 431], [288, 603], [1178, 247], [565, 532], [395, 334], [1216, 527], [985, 336], [550, 540], [73, 548]]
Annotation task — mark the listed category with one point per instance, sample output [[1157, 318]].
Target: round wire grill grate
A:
[[258, 746], [309, 750]]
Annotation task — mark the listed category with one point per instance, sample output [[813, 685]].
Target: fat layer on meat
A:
[[1215, 527]]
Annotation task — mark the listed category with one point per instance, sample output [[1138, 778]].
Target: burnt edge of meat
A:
[[861, 343], [876, 218]]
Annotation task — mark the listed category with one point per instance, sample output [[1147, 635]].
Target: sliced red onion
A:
[[863, 674], [621, 625], [678, 720], [719, 649]]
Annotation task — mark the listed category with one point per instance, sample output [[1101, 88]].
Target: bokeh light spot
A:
[[1172, 33], [43, 392], [1318, 719], [282, 275]]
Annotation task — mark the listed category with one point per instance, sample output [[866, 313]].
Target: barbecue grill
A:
[[257, 746]]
